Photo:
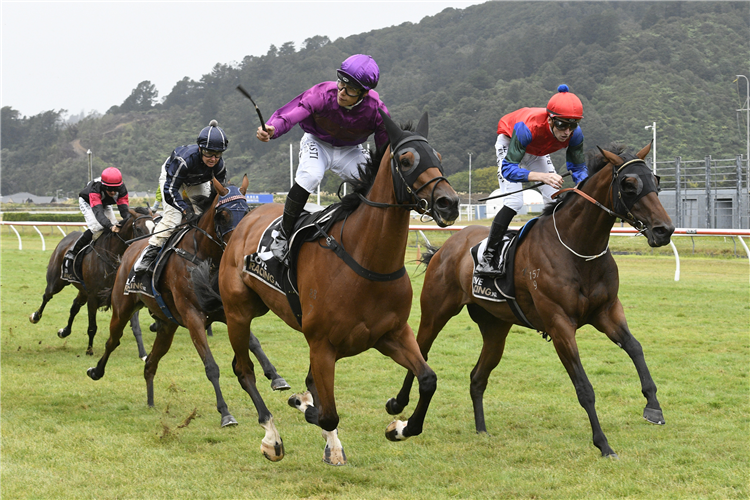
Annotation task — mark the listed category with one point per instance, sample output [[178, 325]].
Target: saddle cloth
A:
[[263, 266], [502, 289], [75, 273]]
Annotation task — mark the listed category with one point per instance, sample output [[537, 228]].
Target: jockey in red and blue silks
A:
[[337, 118], [525, 140]]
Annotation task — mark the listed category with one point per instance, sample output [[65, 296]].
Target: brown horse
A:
[[345, 311], [99, 268], [200, 246], [565, 277]]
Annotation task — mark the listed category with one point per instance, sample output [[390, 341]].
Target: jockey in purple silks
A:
[[337, 118], [525, 139]]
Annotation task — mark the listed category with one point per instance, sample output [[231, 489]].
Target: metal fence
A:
[[708, 193]]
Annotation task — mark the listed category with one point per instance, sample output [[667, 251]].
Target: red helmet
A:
[[111, 177], [565, 104]]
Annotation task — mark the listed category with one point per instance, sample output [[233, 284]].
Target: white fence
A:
[[616, 231]]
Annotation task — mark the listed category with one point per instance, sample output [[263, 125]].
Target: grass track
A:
[[66, 436]]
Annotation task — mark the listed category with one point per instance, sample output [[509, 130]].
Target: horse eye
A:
[[406, 161]]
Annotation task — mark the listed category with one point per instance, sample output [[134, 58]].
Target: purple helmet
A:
[[360, 71]]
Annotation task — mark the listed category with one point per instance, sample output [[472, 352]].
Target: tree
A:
[[141, 98]]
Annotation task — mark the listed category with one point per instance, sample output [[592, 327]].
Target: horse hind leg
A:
[[92, 307], [277, 381], [494, 333], [37, 315], [78, 302], [135, 325]]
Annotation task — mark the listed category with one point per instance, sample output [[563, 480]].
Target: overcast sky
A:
[[89, 56]]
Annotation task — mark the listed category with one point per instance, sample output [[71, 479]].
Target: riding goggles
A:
[[564, 124], [347, 89], [211, 154]]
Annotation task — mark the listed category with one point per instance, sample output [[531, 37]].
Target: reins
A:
[[630, 219]]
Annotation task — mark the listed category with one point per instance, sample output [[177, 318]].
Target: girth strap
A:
[[339, 250]]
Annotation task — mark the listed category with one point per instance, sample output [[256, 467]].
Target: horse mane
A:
[[367, 173], [141, 210], [203, 203], [595, 161]]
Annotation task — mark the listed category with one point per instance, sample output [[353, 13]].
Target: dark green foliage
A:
[[631, 63], [44, 217]]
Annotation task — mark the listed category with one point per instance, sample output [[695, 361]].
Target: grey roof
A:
[[24, 197]]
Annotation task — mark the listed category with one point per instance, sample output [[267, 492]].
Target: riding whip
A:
[[247, 94], [514, 192]]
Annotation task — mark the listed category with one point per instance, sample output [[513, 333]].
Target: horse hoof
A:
[[395, 431], [654, 416], [35, 317], [612, 456], [334, 457], [392, 407], [144, 358], [274, 452], [228, 421], [63, 332], [301, 401], [154, 327], [279, 384], [90, 351], [91, 372]]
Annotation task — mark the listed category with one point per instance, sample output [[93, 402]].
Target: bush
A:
[[26, 216]]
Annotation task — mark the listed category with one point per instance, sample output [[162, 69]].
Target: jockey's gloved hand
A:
[[190, 216]]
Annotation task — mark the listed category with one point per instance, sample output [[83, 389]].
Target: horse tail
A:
[[206, 287], [105, 298], [427, 255]]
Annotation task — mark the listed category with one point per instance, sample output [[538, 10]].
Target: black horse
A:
[[99, 268]]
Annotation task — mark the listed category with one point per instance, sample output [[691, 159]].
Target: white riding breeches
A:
[[172, 216], [317, 156], [91, 222], [529, 162]]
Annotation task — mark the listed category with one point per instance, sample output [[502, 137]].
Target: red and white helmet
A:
[[565, 105], [111, 177]]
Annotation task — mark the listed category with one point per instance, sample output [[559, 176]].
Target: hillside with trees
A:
[[631, 63]]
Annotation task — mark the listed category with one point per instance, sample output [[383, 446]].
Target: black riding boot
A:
[[488, 263], [146, 261], [295, 203], [80, 244]]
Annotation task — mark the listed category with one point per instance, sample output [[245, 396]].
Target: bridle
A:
[[620, 203], [406, 196]]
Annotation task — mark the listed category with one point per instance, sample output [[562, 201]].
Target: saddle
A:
[[147, 283], [501, 289], [263, 266], [74, 273]]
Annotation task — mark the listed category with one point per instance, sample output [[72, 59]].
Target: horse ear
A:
[[644, 152], [423, 126], [611, 157], [393, 130], [219, 188], [245, 184]]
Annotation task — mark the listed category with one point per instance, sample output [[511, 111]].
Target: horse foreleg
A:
[[494, 334], [567, 351], [92, 305], [277, 381], [78, 302], [616, 328], [403, 349], [434, 317], [162, 343], [238, 329], [135, 325], [197, 329], [116, 327]]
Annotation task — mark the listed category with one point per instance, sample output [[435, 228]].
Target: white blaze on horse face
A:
[[150, 226]]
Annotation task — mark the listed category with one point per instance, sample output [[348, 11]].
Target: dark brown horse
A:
[[99, 268], [565, 277], [200, 246], [343, 312]]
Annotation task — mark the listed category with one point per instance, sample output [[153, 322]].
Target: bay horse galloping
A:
[[565, 277], [199, 247], [98, 268], [347, 306]]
